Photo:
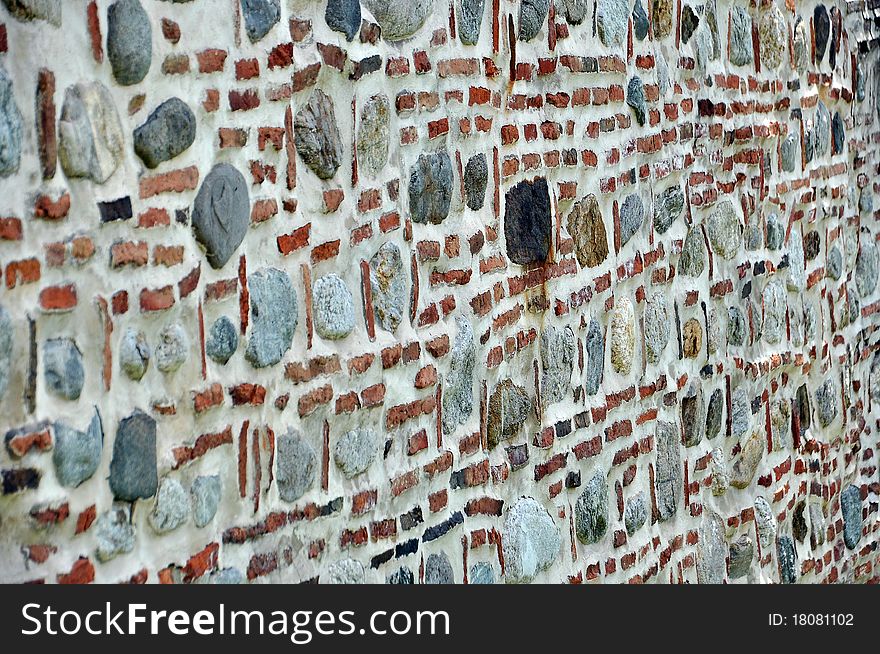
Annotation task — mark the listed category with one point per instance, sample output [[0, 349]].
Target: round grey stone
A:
[[693, 253], [343, 16], [355, 451], [586, 227], [595, 347], [399, 20], [90, 139], [851, 508], [740, 37], [259, 17], [742, 552], [632, 213], [482, 573], [635, 98], [333, 307], [134, 354], [509, 408], [295, 466], [6, 342], [826, 402], [273, 317], [77, 454], [114, 534], [476, 178], [532, 14], [388, 286], [470, 17], [133, 472], [657, 323], [438, 569], [222, 340], [711, 550], [591, 510], [668, 479], [129, 41], [430, 188], [834, 263], [346, 571], [635, 515], [63, 368], [172, 349], [171, 509], [221, 213], [169, 130], [458, 383], [10, 127], [612, 19], [205, 496], [867, 266], [725, 230], [316, 135], [527, 222], [558, 347], [372, 135], [530, 540], [714, 414], [667, 208], [765, 523]]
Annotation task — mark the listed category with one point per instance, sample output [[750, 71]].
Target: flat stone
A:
[[470, 17], [403, 576], [640, 21], [800, 45], [574, 11], [692, 338], [171, 509], [714, 414], [133, 472], [430, 188], [532, 14], [668, 477], [668, 206], [399, 20], [719, 471], [90, 137], [657, 323], [838, 134], [169, 130], [773, 34], [273, 317], [740, 37], [851, 508], [346, 571], [316, 135], [221, 213], [775, 301], [692, 420], [632, 214], [711, 550], [740, 413], [259, 17], [797, 275], [742, 553], [343, 16], [372, 135], [295, 466], [622, 328], [530, 540], [355, 451], [27, 10], [775, 232], [826, 402], [332, 307], [205, 496], [595, 347], [222, 340], [822, 27], [476, 178], [438, 569], [388, 286], [693, 253], [591, 510], [612, 19], [790, 153], [114, 534], [10, 127], [527, 222], [822, 129], [63, 368], [586, 227], [785, 553], [689, 23], [746, 465], [129, 41], [635, 515], [662, 17], [867, 265], [725, 230], [765, 523], [134, 354], [481, 573], [173, 348], [77, 454], [558, 349], [6, 350]]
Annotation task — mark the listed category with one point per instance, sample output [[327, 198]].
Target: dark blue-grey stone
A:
[[10, 128], [430, 188], [787, 560], [470, 17], [129, 41], [595, 346], [532, 14], [169, 130], [574, 11], [63, 368], [632, 213], [640, 21], [221, 213], [851, 508], [133, 472], [5, 350], [476, 178], [790, 153], [295, 466], [206, 492], [273, 316], [259, 17], [822, 27], [741, 52], [838, 134], [714, 413], [635, 98], [668, 477], [482, 573], [403, 576], [438, 569], [77, 453], [527, 222], [344, 16], [742, 552], [222, 340], [667, 208], [591, 510], [635, 515]]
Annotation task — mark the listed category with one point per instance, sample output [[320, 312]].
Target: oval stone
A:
[[316, 135], [622, 336], [169, 130], [129, 41], [274, 317], [458, 390], [355, 451], [430, 188], [530, 539], [90, 137], [333, 307], [586, 227], [295, 466], [10, 127], [399, 20], [63, 368], [372, 135], [221, 213]]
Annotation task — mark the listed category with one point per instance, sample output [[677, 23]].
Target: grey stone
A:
[[753, 237], [657, 323], [775, 232], [372, 135], [822, 129], [171, 509], [667, 208], [810, 140], [169, 130], [740, 413], [221, 213], [26, 10], [790, 150], [826, 402], [222, 340], [838, 134], [558, 349], [134, 354], [797, 275], [527, 222], [713, 331], [668, 478], [438, 569], [775, 301], [343, 16], [591, 510], [574, 11], [346, 571], [530, 541], [692, 420], [90, 137], [400, 20], [129, 41], [316, 135], [10, 127], [476, 178], [866, 201], [226, 576], [114, 534], [612, 19], [800, 45], [259, 17], [714, 414], [205, 495], [689, 23], [693, 253], [482, 573], [817, 525], [173, 348], [333, 307], [77, 454], [635, 98], [403, 576], [780, 423], [725, 230], [586, 227], [736, 326], [355, 451], [430, 188], [746, 465], [787, 557], [742, 553], [532, 14], [595, 347], [458, 383], [822, 27], [834, 264], [719, 471], [632, 214], [509, 408], [622, 330], [662, 17], [851, 508], [273, 316], [711, 550], [867, 265], [740, 37], [133, 472], [6, 350], [388, 286], [295, 466], [765, 523], [470, 17], [63, 368], [773, 34], [635, 515]]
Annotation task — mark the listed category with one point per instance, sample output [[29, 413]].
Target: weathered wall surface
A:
[[427, 291]]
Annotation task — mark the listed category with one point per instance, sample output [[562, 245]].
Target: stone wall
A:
[[438, 290]]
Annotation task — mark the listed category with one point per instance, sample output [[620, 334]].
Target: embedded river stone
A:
[[823, 129], [667, 208], [222, 340], [635, 514], [532, 14], [63, 368], [591, 510], [635, 98], [640, 20], [714, 414], [775, 232], [575, 11], [693, 253], [742, 553], [765, 523], [692, 423], [355, 451], [661, 18], [787, 557], [169, 130], [438, 569], [822, 27], [430, 188], [797, 276], [812, 244], [612, 18], [273, 316], [867, 266], [632, 213], [114, 534], [595, 351], [740, 37], [736, 326], [790, 151], [481, 573], [826, 402], [90, 137], [689, 23], [343, 16], [205, 494], [657, 322], [172, 348], [346, 571], [295, 466], [10, 127], [476, 178], [713, 331], [622, 336], [470, 17], [458, 383], [851, 508], [718, 469], [372, 135], [740, 413], [692, 338], [838, 134], [388, 286], [259, 17], [221, 213], [25, 10], [724, 230], [6, 342], [129, 41], [133, 472], [557, 358], [134, 354], [333, 307], [527, 222], [711, 550], [171, 509], [509, 408], [773, 37], [817, 525], [834, 264], [77, 454], [586, 227], [316, 135], [800, 48], [399, 20], [668, 476], [747, 463], [530, 540], [775, 302]]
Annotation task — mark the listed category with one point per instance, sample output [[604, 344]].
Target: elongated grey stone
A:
[[470, 17], [77, 454], [595, 347], [668, 476], [6, 350], [134, 354], [343, 16], [333, 307], [851, 508], [295, 466], [114, 534], [222, 340], [388, 286], [133, 472], [10, 128], [316, 135], [273, 316], [458, 383], [532, 14], [63, 368], [171, 509], [205, 495], [591, 510], [90, 137], [129, 41], [221, 213]]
